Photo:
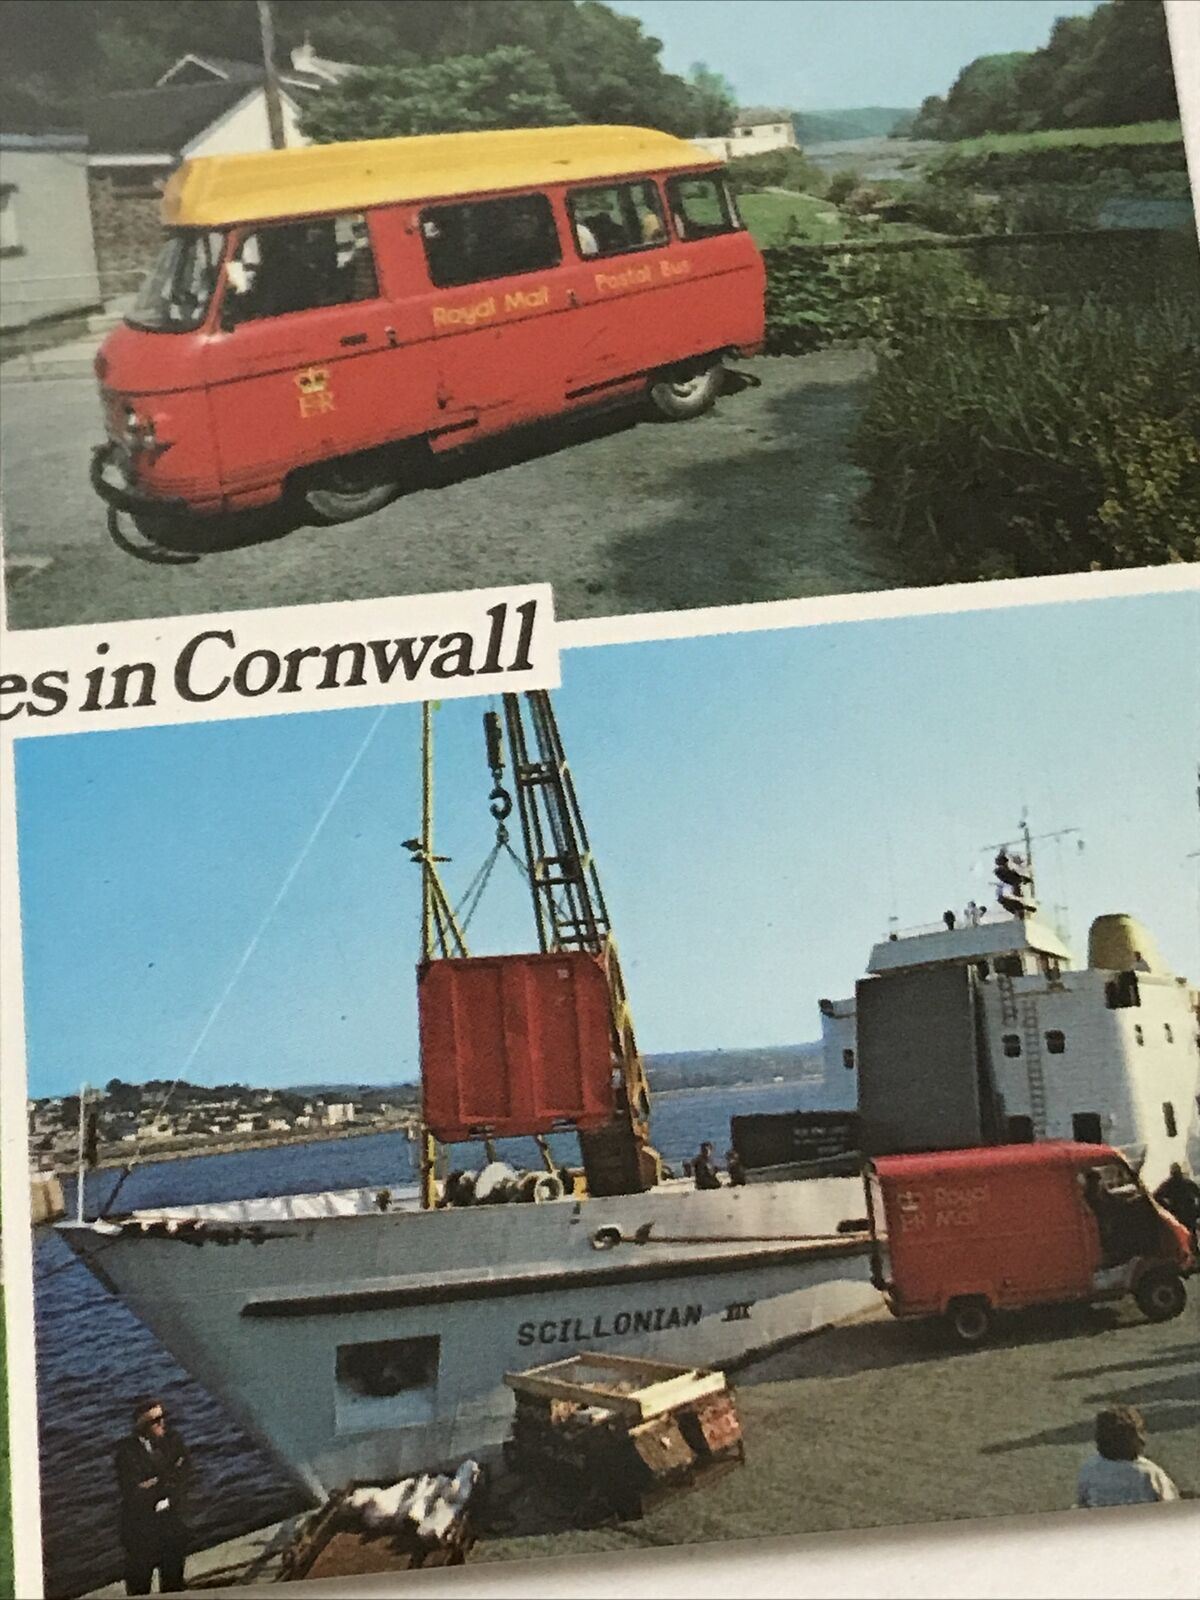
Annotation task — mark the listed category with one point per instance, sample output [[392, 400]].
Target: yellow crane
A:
[[570, 913]]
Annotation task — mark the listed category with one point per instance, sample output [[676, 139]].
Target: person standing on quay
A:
[[1119, 1474], [152, 1471], [1180, 1195]]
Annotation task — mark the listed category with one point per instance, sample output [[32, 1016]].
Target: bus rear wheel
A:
[[970, 1321], [680, 396], [352, 486], [1160, 1295]]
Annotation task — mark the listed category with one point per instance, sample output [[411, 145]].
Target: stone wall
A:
[[127, 231]]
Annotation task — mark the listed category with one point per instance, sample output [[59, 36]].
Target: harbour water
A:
[[95, 1359]]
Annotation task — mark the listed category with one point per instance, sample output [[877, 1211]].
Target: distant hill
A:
[[862, 122], [712, 1069], [677, 1069]]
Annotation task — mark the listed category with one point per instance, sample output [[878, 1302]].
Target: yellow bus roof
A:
[[216, 191]]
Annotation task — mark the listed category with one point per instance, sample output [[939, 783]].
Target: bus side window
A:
[[617, 218], [485, 239], [298, 267], [701, 206]]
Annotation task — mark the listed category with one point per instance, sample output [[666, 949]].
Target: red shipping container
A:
[[515, 1045]]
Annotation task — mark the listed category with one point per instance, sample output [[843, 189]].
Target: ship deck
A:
[[876, 1423]]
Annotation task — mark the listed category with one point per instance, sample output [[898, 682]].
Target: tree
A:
[[983, 98], [715, 99], [930, 120], [1126, 73], [1109, 68], [601, 64], [507, 88]]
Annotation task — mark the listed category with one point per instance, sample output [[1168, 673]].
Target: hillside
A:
[[713, 1069], [861, 122]]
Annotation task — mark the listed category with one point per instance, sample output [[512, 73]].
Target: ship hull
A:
[[366, 1346]]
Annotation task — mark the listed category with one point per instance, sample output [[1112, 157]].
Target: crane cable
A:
[[255, 939]]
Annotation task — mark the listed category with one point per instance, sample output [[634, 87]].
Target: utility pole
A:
[[266, 27]]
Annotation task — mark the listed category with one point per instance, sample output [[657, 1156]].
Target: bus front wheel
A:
[[352, 486], [1160, 1295], [680, 396]]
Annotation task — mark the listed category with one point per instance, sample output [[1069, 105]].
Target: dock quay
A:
[[869, 1424]]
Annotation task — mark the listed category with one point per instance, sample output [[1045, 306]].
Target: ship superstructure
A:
[[1104, 1053]]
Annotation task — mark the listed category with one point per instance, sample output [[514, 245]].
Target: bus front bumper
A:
[[125, 496]]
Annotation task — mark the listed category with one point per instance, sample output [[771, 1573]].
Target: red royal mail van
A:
[[318, 314], [963, 1234]]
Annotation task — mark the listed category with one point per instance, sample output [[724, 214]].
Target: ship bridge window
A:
[[1012, 1044], [1169, 1122], [1122, 991], [1168, 1035], [386, 1383], [1010, 966], [1138, 1034], [848, 1060], [1056, 1042]]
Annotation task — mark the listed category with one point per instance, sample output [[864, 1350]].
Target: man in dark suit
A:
[[152, 1472]]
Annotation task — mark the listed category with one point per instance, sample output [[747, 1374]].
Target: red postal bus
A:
[[317, 314]]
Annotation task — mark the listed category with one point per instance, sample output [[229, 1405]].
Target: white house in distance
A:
[[756, 129]]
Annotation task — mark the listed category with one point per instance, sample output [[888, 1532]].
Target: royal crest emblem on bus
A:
[[315, 394]]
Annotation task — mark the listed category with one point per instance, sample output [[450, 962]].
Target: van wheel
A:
[[352, 486], [679, 398], [970, 1321], [1160, 1295]]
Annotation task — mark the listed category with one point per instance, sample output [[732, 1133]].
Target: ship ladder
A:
[[1032, 1046], [1008, 1002]]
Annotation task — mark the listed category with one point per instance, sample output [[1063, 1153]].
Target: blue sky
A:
[[759, 805], [814, 55]]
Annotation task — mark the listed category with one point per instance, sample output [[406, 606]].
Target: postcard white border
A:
[[1139, 1553]]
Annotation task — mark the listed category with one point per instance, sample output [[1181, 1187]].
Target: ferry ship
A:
[[363, 1336]]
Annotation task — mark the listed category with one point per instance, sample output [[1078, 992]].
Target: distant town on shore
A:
[[161, 1117]]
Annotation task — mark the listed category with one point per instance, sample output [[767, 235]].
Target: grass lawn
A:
[[1127, 133], [768, 217]]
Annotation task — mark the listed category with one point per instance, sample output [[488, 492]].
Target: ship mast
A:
[[1016, 886], [440, 930]]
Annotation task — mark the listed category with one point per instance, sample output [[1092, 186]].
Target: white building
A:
[[756, 129], [338, 1111], [47, 255]]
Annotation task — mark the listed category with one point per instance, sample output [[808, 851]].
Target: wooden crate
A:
[[632, 1386]]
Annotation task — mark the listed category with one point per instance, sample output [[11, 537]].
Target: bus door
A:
[[623, 255], [304, 359], [495, 310]]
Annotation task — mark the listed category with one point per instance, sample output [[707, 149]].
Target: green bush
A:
[[1073, 164], [941, 208], [841, 184], [1068, 444], [776, 169], [816, 298]]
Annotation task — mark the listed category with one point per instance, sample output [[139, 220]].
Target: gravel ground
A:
[[621, 514], [877, 1423]]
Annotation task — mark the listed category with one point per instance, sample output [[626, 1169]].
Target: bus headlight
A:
[[141, 435]]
